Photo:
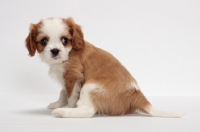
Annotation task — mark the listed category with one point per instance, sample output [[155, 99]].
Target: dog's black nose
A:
[[55, 51]]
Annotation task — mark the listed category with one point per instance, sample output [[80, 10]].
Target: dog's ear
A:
[[78, 42], [31, 40]]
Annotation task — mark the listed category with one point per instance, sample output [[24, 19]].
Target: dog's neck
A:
[[56, 72]]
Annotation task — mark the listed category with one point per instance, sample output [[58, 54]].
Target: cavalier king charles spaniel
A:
[[93, 81]]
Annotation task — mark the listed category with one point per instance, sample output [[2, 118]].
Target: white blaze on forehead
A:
[[54, 28]]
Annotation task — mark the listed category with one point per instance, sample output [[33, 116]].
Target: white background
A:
[[158, 41]]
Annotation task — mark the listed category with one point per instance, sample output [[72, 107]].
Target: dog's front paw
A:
[[58, 112], [56, 105]]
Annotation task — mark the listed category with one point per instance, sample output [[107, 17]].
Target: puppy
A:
[[92, 80]]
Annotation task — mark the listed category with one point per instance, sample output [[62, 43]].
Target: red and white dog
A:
[[93, 81]]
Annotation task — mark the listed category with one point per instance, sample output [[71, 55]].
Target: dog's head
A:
[[54, 38]]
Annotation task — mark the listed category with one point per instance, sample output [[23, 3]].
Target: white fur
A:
[[84, 108], [75, 95], [157, 113], [54, 28], [56, 72]]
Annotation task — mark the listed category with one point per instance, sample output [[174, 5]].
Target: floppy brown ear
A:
[[30, 40], [78, 42]]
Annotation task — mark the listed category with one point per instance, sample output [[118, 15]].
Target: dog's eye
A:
[[44, 42], [64, 41]]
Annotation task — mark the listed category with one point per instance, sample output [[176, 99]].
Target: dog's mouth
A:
[[58, 58], [55, 57]]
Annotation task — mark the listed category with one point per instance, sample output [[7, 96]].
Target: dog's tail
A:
[[149, 109], [143, 105]]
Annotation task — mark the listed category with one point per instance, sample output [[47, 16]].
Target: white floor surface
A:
[[28, 113]]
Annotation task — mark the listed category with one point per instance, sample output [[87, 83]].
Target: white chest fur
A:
[[56, 72]]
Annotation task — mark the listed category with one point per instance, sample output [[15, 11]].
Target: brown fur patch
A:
[[39, 37], [31, 42], [78, 42], [119, 102], [75, 72], [69, 37], [114, 98], [93, 65]]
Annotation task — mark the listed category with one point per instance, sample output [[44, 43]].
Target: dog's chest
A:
[[56, 72]]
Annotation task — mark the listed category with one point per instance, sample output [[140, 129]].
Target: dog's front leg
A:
[[62, 101], [74, 80], [74, 96]]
